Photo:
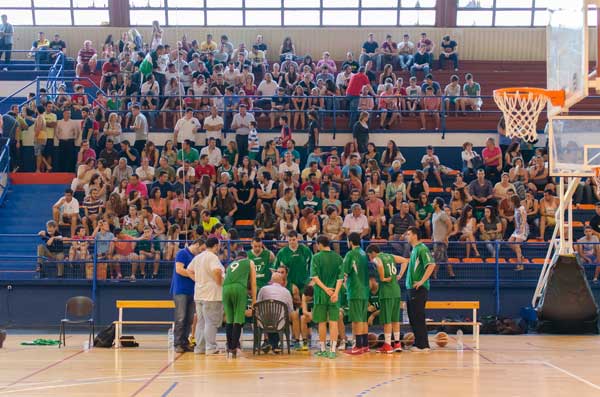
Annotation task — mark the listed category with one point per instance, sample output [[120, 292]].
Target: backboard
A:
[[567, 51], [574, 145]]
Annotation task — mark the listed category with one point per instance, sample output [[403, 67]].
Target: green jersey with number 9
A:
[[238, 272], [388, 289]]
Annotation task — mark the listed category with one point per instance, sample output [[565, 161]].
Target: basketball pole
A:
[[564, 245]]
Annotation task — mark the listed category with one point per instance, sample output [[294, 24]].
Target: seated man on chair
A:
[[87, 59], [51, 247], [276, 290]]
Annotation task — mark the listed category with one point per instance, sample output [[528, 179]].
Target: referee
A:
[[182, 289], [420, 267]]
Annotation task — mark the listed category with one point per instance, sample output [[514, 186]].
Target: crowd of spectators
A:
[[202, 186]]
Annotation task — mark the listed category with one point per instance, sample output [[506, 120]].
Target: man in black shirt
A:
[[354, 199], [58, 45], [163, 185], [109, 154], [448, 52], [350, 62], [52, 248], [130, 153]]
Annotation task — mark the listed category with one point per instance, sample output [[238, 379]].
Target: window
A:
[[379, 3], [340, 18], [19, 17], [224, 18], [513, 18], [186, 3], [145, 17], [263, 3], [379, 17], [417, 18], [223, 3], [90, 4], [475, 18], [263, 18], [301, 18], [91, 17], [418, 3], [475, 3], [513, 3], [185, 17], [52, 3], [146, 3], [53, 17]]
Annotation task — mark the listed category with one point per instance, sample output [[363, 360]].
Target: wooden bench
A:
[[140, 304], [455, 305]]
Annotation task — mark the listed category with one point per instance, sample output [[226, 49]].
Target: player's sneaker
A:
[[386, 348], [342, 345], [321, 353], [266, 347], [366, 349], [304, 346], [416, 349], [296, 345], [331, 355], [397, 347], [355, 351]]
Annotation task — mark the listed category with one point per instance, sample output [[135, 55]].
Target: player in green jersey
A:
[[420, 268], [326, 270], [306, 316], [356, 269], [239, 274], [389, 295], [263, 262], [296, 257], [373, 301]]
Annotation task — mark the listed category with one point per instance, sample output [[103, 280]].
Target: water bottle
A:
[[405, 319], [170, 339], [459, 340]]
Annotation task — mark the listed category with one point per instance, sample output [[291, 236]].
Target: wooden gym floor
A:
[[528, 365]]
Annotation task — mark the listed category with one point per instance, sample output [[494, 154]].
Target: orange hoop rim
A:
[[557, 97], [596, 170]]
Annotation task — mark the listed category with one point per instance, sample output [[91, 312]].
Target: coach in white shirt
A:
[[186, 127], [208, 273], [213, 125]]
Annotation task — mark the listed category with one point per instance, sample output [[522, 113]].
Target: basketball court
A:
[[505, 366]]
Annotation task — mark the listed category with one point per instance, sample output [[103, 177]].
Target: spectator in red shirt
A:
[[205, 168], [333, 170], [86, 59], [135, 185], [110, 69], [492, 160], [355, 86]]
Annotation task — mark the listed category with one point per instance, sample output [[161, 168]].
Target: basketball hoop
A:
[[522, 106]]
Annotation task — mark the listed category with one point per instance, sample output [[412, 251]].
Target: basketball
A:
[[441, 339], [409, 339], [372, 340]]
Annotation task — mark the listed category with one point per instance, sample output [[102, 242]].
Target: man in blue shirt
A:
[[430, 83], [182, 289]]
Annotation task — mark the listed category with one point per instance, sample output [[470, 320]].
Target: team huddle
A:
[[325, 289]]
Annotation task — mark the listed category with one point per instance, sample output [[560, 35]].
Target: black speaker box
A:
[[567, 304]]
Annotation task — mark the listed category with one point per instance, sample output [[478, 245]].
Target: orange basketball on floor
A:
[[441, 339], [409, 339], [372, 340]]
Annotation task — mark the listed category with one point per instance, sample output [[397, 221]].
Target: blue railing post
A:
[[37, 92], [497, 259], [443, 117], [94, 275]]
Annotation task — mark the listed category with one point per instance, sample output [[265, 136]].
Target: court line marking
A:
[[170, 389], [572, 375], [160, 371], [54, 364]]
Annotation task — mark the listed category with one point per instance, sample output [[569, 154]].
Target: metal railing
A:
[[4, 168], [492, 268], [42, 58]]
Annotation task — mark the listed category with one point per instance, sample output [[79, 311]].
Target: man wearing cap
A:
[[448, 52], [241, 125], [356, 222]]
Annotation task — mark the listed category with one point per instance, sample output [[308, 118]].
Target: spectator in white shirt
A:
[[356, 222], [186, 127], [289, 165], [431, 164], [66, 211], [452, 95], [406, 50], [266, 90], [149, 85], [213, 125], [208, 273], [145, 172], [467, 155], [213, 152]]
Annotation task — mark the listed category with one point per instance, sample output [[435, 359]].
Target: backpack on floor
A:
[[106, 337]]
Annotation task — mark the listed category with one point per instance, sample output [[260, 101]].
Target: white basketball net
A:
[[521, 113]]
